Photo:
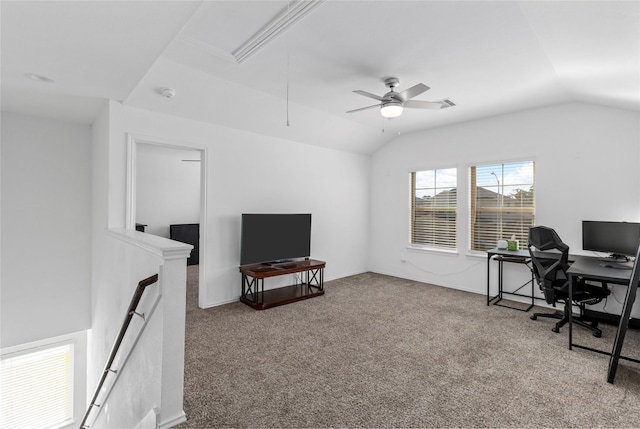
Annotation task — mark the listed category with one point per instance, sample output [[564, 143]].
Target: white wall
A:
[[586, 159], [46, 234], [246, 172], [167, 187], [153, 347], [243, 173], [156, 364]]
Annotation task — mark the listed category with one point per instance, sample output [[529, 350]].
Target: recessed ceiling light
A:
[[38, 77]]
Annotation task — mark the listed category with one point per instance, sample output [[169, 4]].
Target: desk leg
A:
[[500, 268], [622, 328], [571, 279], [532, 288], [488, 276]]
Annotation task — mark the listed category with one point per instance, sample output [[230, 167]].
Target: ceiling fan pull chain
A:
[[287, 86], [288, 66]]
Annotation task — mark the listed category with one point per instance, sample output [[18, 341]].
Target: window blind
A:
[[502, 203], [37, 388], [434, 208]]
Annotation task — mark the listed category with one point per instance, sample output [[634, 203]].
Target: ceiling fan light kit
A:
[[391, 110], [392, 104]]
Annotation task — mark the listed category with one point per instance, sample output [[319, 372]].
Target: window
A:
[[433, 208], [37, 387], [502, 203]]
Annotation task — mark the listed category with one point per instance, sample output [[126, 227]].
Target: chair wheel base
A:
[[597, 334], [534, 317], [555, 329]]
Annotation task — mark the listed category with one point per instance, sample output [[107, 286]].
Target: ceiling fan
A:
[[393, 103]]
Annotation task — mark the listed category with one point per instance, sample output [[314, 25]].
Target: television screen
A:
[[270, 238], [616, 238]]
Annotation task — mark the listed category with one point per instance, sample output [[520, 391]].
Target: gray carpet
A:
[[379, 351]]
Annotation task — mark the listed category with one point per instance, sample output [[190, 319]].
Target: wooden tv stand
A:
[[254, 295]]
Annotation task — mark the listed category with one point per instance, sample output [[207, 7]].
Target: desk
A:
[[590, 268], [511, 256]]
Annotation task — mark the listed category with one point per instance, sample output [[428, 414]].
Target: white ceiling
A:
[[489, 57]]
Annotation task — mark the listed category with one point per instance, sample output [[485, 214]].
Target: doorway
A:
[[166, 197]]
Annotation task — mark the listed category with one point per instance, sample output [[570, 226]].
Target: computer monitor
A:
[[619, 239]]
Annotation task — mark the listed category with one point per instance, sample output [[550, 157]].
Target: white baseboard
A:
[[219, 303], [449, 286], [539, 302], [174, 421], [341, 276], [150, 421]]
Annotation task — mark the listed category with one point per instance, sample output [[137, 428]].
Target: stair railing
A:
[[131, 311]]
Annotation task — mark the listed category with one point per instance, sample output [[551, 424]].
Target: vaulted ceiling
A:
[[254, 65]]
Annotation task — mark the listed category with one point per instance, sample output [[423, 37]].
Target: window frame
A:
[[78, 372], [472, 201], [412, 211]]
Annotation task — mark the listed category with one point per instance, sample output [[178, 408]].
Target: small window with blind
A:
[[37, 387], [433, 208], [502, 203]]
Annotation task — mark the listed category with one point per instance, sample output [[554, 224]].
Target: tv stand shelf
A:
[[254, 295]]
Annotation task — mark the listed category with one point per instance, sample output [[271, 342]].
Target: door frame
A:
[[133, 140]]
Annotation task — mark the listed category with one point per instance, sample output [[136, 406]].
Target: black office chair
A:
[[550, 261]]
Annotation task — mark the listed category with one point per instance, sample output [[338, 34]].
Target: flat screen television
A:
[[273, 238], [620, 239]]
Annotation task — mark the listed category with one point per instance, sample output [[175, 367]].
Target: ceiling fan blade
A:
[[415, 90], [440, 104], [447, 103], [364, 108], [370, 95]]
